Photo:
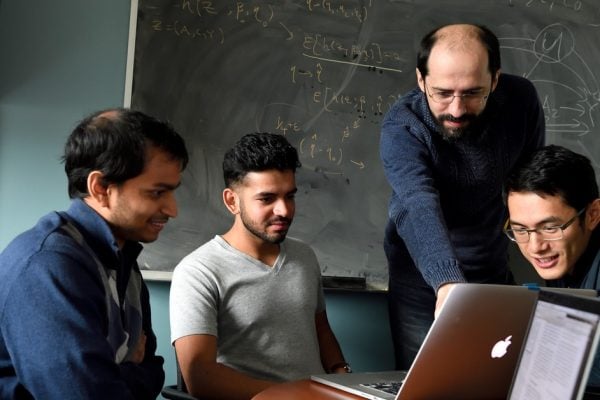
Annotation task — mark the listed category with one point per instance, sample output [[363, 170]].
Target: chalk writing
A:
[[200, 8], [345, 9], [319, 44], [180, 29], [323, 73]]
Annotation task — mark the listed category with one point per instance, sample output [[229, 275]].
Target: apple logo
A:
[[500, 348]]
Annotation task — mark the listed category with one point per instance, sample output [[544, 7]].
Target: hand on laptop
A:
[[441, 297]]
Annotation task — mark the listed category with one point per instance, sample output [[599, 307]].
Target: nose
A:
[[169, 207], [536, 243], [284, 208], [457, 107]]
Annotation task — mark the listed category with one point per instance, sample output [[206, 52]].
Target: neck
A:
[[252, 246]]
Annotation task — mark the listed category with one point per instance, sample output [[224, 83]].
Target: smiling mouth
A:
[[546, 262], [159, 223]]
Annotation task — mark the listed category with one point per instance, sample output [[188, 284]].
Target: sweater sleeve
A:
[[145, 380], [415, 207], [54, 327]]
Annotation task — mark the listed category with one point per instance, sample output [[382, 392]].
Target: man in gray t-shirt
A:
[[247, 308]]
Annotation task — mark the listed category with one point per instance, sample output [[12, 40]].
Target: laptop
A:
[[455, 360], [560, 348]]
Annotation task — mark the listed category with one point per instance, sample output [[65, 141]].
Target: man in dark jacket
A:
[[74, 311]]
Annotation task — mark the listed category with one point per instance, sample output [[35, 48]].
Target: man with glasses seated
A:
[[446, 148], [554, 214]]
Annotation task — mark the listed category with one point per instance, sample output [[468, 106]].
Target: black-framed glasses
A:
[[549, 232], [471, 97]]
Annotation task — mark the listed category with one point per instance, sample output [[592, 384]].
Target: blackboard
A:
[[323, 73]]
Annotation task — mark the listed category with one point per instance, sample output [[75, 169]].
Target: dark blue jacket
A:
[[62, 334]]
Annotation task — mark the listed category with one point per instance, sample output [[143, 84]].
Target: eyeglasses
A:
[[547, 233], [470, 97]]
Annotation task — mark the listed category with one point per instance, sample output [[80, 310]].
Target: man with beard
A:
[[247, 308], [446, 148]]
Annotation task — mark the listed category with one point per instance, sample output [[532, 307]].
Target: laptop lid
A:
[[473, 346], [559, 351], [455, 358]]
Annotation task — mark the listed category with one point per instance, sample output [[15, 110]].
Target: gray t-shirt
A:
[[263, 317]]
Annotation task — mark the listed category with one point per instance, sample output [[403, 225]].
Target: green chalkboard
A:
[[323, 73]]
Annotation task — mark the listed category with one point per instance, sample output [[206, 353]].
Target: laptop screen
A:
[[559, 349]]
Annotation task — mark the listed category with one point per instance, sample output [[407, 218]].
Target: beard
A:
[[256, 229], [473, 127]]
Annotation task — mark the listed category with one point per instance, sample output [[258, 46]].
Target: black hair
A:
[[257, 152], [115, 142], [487, 38], [555, 171]]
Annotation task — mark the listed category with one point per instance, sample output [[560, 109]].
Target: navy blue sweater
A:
[[62, 335], [446, 199]]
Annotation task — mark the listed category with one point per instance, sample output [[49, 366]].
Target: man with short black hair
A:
[[75, 313], [247, 308], [554, 218]]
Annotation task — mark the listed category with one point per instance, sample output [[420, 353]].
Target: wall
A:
[[62, 60]]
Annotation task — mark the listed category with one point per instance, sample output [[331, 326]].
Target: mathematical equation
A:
[[558, 6], [321, 65]]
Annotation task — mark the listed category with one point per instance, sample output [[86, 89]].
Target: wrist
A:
[[341, 367]]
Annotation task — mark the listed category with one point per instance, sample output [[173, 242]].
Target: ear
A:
[[495, 80], [96, 189], [592, 216], [231, 201], [420, 80]]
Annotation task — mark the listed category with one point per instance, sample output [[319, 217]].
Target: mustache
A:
[[279, 220], [462, 118]]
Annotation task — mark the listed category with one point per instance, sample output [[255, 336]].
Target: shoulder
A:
[[44, 241], [47, 260], [203, 261], [408, 107], [408, 119], [508, 84], [297, 246], [516, 95], [299, 253]]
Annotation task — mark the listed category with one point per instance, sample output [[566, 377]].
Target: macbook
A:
[[470, 351]]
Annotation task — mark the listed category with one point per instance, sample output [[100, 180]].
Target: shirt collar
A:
[[100, 237]]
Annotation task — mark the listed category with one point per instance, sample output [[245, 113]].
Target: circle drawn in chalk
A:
[[554, 43]]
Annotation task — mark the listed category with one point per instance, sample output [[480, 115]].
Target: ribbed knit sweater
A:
[[446, 198]]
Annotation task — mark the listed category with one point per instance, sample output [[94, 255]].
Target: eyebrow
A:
[[473, 89], [549, 220], [267, 193], [166, 186]]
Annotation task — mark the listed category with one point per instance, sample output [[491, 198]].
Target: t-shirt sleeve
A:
[[193, 300]]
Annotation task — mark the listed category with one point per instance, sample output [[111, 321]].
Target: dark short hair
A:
[[115, 142], [555, 171], [487, 38], [257, 152]]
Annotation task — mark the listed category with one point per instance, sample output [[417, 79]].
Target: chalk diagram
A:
[[568, 88]]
